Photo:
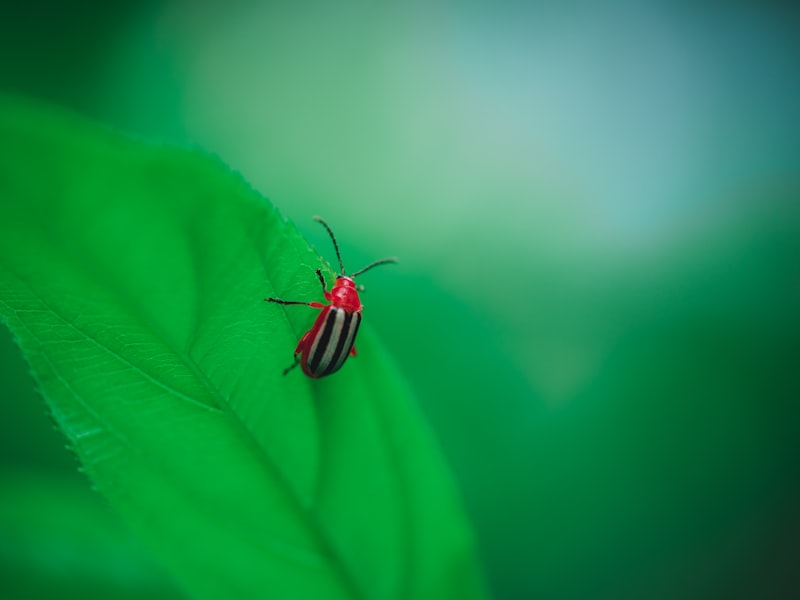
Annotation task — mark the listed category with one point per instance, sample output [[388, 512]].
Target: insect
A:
[[323, 349]]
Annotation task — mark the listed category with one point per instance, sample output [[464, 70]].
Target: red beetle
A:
[[323, 349]]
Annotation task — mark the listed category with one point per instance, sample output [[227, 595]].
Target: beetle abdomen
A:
[[332, 343]]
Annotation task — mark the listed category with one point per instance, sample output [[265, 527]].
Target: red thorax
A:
[[344, 294]]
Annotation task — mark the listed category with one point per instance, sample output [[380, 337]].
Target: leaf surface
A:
[[133, 276]]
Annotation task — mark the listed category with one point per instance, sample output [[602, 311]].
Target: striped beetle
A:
[[324, 348]]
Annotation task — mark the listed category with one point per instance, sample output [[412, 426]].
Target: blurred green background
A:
[[596, 207]]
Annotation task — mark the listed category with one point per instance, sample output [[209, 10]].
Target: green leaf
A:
[[58, 541], [133, 277]]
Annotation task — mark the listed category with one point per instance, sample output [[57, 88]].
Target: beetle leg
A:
[[322, 281], [325, 292], [285, 302], [301, 347], [292, 366]]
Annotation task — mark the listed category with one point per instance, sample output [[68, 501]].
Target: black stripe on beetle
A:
[[331, 334], [346, 342], [324, 348], [334, 342]]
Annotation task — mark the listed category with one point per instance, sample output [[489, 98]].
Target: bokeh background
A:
[[597, 210]]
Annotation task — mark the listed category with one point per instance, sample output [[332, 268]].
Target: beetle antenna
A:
[[382, 261], [333, 239]]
